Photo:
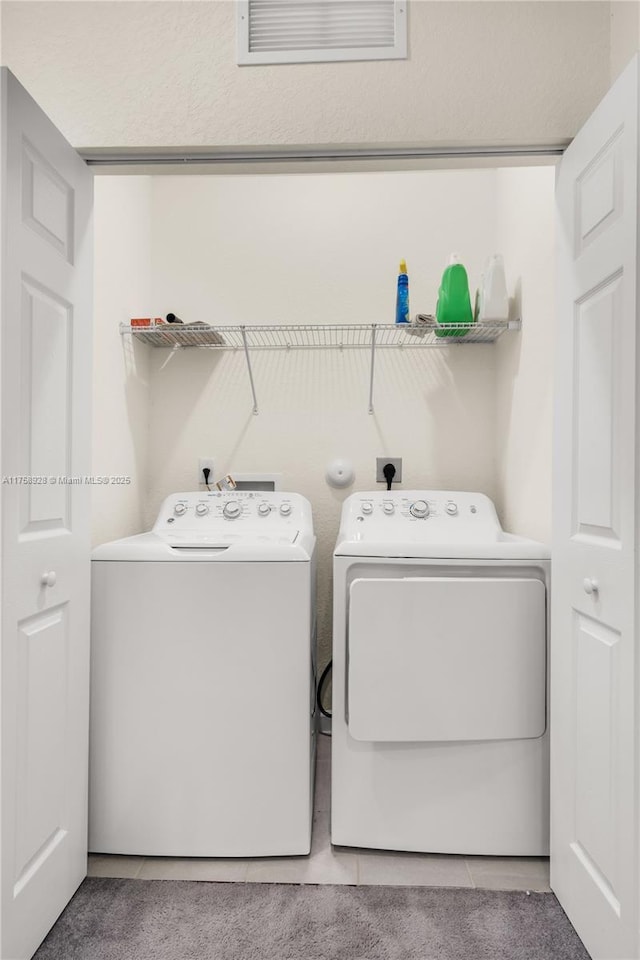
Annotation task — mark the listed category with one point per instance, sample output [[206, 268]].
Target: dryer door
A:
[[446, 658]]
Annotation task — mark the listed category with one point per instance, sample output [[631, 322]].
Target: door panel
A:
[[599, 193], [596, 649], [40, 787], [449, 658], [47, 201], [597, 340], [45, 378], [594, 748], [46, 326]]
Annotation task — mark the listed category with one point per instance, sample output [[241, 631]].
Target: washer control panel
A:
[[215, 513], [439, 515]]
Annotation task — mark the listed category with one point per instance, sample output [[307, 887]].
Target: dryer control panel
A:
[[440, 516]]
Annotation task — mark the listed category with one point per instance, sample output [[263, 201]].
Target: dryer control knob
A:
[[201, 509], [367, 507], [451, 508], [285, 509], [180, 509], [419, 509], [264, 509], [388, 506], [232, 509]]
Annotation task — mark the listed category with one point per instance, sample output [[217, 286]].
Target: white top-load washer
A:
[[202, 680], [440, 678]]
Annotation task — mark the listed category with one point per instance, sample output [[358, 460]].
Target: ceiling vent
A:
[[312, 31]]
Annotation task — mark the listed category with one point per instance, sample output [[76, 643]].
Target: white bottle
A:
[[493, 300]]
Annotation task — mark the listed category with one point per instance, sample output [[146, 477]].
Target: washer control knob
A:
[[367, 507], [419, 509], [232, 509], [451, 508], [264, 509], [285, 509], [388, 506], [201, 509], [180, 509]]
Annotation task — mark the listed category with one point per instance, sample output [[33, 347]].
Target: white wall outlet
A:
[[380, 464], [202, 463]]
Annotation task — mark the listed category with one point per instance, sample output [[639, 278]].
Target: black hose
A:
[[321, 683]]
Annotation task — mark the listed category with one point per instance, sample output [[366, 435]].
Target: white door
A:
[[594, 664], [45, 347]]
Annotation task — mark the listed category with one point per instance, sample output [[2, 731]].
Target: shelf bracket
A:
[[373, 360], [250, 371]]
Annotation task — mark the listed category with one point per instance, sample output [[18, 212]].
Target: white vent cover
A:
[[306, 31]]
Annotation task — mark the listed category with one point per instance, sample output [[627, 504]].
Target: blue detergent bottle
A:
[[402, 295]]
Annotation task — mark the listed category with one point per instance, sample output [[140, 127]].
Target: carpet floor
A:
[[188, 920]]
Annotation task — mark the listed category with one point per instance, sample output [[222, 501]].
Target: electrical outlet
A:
[[380, 464], [202, 463]]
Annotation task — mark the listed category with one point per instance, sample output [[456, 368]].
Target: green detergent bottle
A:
[[454, 303]]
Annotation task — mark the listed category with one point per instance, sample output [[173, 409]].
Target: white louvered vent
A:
[[305, 31]]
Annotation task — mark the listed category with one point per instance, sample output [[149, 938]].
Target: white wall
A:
[[524, 363], [625, 34], [120, 368], [163, 72]]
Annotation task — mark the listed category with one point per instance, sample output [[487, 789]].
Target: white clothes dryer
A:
[[202, 680], [440, 730]]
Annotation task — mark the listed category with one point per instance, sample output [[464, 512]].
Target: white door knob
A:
[[590, 585], [48, 579]]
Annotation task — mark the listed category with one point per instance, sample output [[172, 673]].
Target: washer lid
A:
[[151, 547], [428, 524]]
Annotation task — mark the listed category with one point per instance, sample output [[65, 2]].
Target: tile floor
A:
[[327, 864]]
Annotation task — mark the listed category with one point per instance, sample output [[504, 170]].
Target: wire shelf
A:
[[423, 332]]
